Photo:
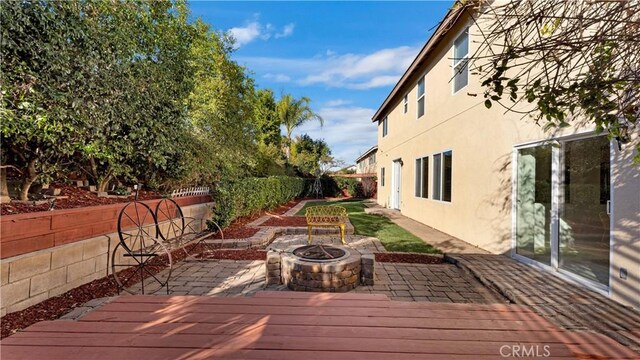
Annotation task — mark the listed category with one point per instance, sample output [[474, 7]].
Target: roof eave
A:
[[434, 39]]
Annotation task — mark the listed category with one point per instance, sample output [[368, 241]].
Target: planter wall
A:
[[25, 233], [30, 278]]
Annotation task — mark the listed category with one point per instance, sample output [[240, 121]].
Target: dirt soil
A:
[[77, 197], [411, 258], [286, 221]]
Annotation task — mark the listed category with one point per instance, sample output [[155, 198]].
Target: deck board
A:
[[299, 325]]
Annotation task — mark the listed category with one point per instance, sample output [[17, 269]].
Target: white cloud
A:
[[255, 30], [352, 71], [338, 102], [286, 31], [247, 34], [348, 130], [277, 77]]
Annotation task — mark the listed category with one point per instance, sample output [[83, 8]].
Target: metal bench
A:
[[326, 216], [151, 240]]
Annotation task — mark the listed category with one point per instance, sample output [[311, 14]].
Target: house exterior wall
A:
[[482, 142], [368, 164]]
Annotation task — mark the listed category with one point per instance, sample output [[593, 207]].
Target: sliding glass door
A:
[[562, 206], [533, 203], [584, 209]]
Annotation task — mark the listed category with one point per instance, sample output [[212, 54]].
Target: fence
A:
[[190, 191]]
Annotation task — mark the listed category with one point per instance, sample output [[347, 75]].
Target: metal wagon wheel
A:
[[150, 267], [136, 226], [172, 227], [170, 214]]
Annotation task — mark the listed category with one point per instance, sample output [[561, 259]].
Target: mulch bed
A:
[[55, 307], [239, 229], [411, 258], [77, 197], [286, 221]]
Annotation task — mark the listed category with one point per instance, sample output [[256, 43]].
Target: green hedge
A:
[[248, 196]]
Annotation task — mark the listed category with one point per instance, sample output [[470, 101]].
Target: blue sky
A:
[[345, 56]]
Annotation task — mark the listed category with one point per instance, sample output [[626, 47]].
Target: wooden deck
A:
[[290, 325]]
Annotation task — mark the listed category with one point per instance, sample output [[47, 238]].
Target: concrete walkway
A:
[[568, 305]]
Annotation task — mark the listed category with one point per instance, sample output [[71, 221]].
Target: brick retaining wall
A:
[[55, 268], [25, 233]]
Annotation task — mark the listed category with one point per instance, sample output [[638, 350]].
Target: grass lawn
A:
[[392, 236]]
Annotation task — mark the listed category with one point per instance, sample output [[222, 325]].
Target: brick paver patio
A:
[[398, 281]]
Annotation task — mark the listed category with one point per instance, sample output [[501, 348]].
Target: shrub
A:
[[248, 196]]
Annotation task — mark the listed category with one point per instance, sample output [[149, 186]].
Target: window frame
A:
[[405, 103], [440, 181], [456, 62], [420, 169], [382, 176], [423, 78], [385, 127]]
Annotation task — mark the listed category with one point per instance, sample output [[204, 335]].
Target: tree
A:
[[293, 113], [41, 62], [140, 69], [308, 154], [98, 84], [576, 62], [266, 119], [220, 109]]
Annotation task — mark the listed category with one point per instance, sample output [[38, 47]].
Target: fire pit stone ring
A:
[[337, 268]]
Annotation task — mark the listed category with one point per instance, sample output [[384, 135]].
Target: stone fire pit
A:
[[324, 269]]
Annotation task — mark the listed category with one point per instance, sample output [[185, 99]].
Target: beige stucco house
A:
[[366, 163], [567, 202]]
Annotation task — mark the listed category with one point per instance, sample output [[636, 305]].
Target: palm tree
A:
[[293, 113]]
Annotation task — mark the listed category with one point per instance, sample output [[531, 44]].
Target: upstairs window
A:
[[385, 127], [461, 61], [406, 103], [372, 159], [420, 97]]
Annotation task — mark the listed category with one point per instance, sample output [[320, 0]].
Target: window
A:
[[385, 127], [421, 97], [406, 103], [442, 169], [372, 159], [382, 177], [461, 61], [422, 177]]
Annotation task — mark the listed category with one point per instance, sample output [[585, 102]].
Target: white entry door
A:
[[396, 184]]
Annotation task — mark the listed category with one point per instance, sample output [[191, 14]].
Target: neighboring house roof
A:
[[373, 149], [449, 20]]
